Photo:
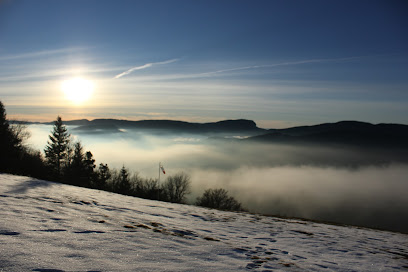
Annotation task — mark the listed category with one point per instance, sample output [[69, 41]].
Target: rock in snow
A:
[[47, 226]]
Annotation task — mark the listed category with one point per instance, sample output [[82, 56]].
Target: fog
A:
[[365, 187]]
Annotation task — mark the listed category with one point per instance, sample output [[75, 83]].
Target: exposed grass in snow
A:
[[48, 226]]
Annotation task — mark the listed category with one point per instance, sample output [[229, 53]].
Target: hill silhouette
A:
[[344, 132], [115, 126]]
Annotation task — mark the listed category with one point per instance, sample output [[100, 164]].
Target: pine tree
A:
[[80, 169], [123, 182], [5, 137], [4, 124], [15, 157], [89, 168], [57, 149], [10, 144], [78, 156], [9, 139], [74, 171], [103, 175]]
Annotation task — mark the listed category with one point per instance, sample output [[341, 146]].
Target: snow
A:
[[48, 226]]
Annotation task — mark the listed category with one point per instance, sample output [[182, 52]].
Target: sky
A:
[[279, 63]]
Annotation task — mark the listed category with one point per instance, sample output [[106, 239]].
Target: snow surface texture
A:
[[48, 226]]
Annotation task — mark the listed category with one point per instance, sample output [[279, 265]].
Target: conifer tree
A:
[[103, 175], [10, 144], [80, 169], [5, 137], [89, 168], [4, 124], [57, 149], [123, 182], [75, 168], [14, 156], [8, 138]]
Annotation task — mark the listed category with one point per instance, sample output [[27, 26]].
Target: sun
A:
[[77, 90]]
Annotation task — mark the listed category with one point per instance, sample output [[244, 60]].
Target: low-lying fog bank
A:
[[345, 185], [372, 196]]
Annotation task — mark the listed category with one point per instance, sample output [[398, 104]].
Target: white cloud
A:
[[147, 65]]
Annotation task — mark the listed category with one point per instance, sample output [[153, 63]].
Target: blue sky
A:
[[280, 63]]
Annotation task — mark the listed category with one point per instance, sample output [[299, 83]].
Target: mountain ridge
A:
[[343, 132], [236, 125], [248, 123]]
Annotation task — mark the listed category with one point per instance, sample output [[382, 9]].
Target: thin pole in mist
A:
[[164, 172]]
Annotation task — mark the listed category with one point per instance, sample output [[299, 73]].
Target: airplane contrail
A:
[[147, 65], [278, 64]]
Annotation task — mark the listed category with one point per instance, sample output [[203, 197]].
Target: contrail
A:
[[147, 65], [278, 64]]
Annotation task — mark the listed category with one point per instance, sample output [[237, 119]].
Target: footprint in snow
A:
[[89, 231], [45, 209], [241, 250], [5, 232], [198, 216], [51, 230], [47, 270], [302, 232]]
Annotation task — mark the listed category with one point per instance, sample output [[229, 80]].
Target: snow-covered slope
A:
[[47, 226]]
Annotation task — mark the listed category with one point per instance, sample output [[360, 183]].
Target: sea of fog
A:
[[343, 185]]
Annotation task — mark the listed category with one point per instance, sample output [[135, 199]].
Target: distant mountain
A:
[[114, 126], [344, 132]]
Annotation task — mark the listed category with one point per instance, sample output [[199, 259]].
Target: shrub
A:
[[218, 199], [177, 187]]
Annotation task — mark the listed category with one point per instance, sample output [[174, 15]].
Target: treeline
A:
[[15, 157], [67, 161]]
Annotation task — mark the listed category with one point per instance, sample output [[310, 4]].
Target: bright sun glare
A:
[[77, 90]]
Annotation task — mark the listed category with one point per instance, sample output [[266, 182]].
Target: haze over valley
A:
[[337, 181]]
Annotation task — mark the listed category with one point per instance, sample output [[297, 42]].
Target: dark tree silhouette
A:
[[122, 182], [32, 164], [12, 150], [103, 174], [5, 133], [5, 140], [73, 173], [152, 189], [89, 168], [145, 188], [80, 170], [8, 143], [14, 156], [176, 187], [219, 199], [57, 151]]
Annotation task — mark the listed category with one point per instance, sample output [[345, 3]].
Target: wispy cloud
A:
[[43, 72], [147, 65], [278, 64], [42, 53], [183, 76]]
